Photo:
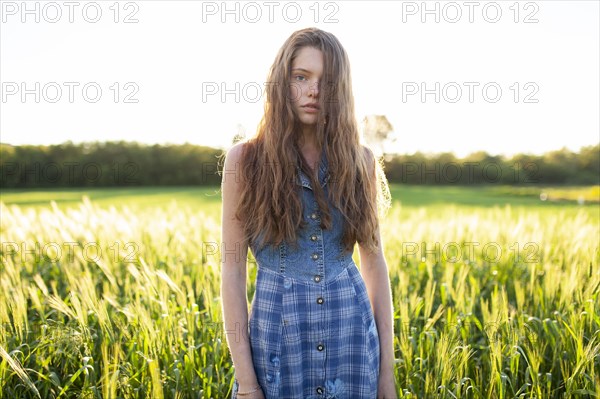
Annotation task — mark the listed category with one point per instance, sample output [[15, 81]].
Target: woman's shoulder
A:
[[367, 152], [234, 153], [237, 152], [232, 164], [369, 158], [239, 159]]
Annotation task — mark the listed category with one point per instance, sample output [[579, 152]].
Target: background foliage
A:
[[130, 164]]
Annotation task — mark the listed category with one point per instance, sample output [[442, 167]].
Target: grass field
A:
[[115, 293]]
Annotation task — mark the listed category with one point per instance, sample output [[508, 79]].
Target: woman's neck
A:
[[308, 139]]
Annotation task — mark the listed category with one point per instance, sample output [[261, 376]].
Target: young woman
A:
[[300, 194]]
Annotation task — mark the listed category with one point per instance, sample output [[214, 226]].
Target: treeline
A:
[[562, 167], [106, 164]]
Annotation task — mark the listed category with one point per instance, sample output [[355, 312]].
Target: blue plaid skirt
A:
[[313, 339]]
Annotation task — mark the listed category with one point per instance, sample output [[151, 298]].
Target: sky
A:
[[503, 77]]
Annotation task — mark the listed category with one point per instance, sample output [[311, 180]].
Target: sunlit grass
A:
[[123, 301], [582, 195]]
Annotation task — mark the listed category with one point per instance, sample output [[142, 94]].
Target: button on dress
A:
[[311, 327]]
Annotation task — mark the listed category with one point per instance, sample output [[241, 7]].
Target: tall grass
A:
[[506, 305]]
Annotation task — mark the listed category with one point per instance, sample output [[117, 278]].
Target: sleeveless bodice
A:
[[319, 254]]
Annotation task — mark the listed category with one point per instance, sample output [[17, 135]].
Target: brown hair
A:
[[270, 203]]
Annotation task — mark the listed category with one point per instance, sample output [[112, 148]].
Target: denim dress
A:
[[311, 327]]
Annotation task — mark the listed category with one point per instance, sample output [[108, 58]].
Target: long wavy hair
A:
[[270, 205]]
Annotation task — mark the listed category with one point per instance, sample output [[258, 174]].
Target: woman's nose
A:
[[314, 89]]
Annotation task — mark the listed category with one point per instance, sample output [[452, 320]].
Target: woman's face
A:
[[307, 69]]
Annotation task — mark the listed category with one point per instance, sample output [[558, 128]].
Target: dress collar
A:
[[304, 180]]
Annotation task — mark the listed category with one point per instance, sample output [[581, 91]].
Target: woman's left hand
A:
[[386, 388]]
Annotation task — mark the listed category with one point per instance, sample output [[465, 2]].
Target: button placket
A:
[[318, 254]]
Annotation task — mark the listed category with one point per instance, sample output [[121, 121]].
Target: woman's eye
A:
[[300, 78]]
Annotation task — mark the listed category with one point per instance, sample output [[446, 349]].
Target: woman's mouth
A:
[[311, 108]]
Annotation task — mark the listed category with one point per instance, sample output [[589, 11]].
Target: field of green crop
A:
[[115, 294]]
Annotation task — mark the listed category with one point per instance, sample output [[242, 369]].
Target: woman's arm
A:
[[234, 251], [375, 273]]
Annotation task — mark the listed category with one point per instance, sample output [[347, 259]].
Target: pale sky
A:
[[179, 56]]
